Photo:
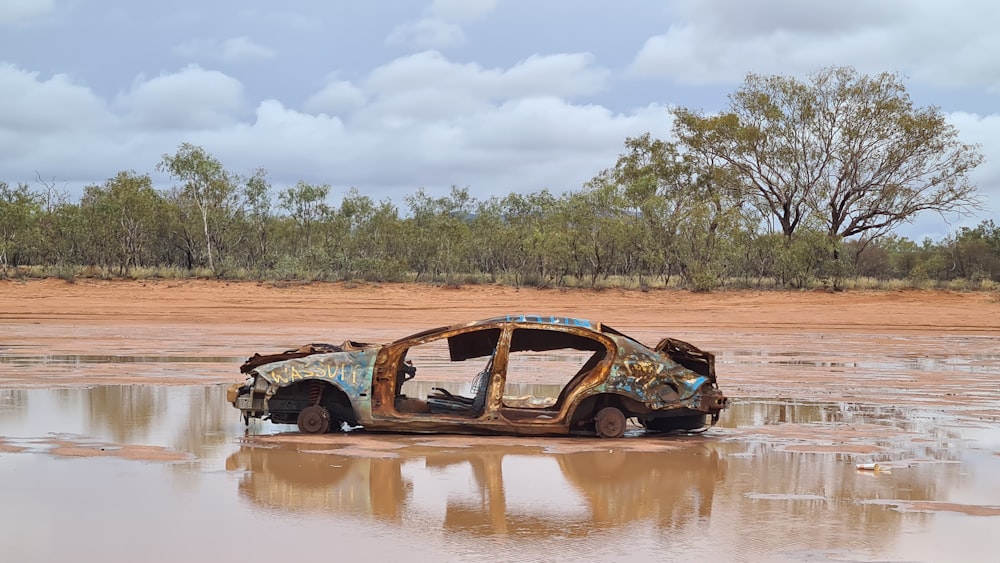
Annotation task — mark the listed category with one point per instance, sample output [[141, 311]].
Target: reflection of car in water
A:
[[607, 378], [283, 478], [495, 489]]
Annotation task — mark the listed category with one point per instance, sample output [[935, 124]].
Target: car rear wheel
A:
[[314, 419], [610, 422]]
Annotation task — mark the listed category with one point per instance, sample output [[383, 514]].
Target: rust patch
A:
[[321, 387]]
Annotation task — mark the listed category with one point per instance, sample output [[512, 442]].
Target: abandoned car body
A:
[[607, 378]]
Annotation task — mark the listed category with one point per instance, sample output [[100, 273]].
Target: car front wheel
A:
[[314, 419]]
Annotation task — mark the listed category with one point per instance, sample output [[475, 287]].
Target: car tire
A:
[[314, 419], [610, 422]]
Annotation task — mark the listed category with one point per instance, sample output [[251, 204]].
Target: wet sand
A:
[[111, 395], [201, 321]]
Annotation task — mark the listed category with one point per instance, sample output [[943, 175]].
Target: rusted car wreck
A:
[[605, 377]]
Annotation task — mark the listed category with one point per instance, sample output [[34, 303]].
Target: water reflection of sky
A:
[[736, 491]]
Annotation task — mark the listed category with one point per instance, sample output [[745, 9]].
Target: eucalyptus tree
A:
[[19, 212], [206, 183], [852, 150], [369, 242], [974, 252], [438, 231], [377, 238], [123, 214], [532, 243], [680, 208], [307, 205], [258, 214]]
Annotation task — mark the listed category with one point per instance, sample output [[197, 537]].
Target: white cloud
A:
[[462, 11], [16, 11], [752, 18], [550, 119], [37, 113], [539, 126], [30, 104], [982, 130], [562, 75], [281, 140], [443, 28], [426, 34], [337, 97], [190, 99], [239, 49], [233, 50], [718, 42], [495, 130]]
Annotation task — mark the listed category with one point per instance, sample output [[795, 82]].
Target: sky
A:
[[498, 96]]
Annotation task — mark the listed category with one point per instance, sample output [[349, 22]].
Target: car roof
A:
[[550, 320], [545, 320]]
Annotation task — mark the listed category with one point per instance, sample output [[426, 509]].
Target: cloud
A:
[[982, 130], [495, 130], [233, 50], [443, 28], [17, 11], [562, 75], [419, 120], [29, 104], [34, 112], [718, 42], [426, 34], [239, 49], [191, 99], [335, 98], [462, 11]]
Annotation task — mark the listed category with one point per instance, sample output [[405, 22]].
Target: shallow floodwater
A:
[[99, 464], [167, 473]]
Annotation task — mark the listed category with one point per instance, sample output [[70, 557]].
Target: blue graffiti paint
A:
[[561, 321], [691, 386], [350, 370]]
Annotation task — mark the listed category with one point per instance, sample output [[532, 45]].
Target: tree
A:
[[853, 150], [124, 212], [372, 246], [19, 212], [975, 252], [529, 241], [306, 204], [680, 207], [438, 230], [207, 184], [257, 204]]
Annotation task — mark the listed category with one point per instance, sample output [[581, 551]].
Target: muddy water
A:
[[93, 469], [165, 473]]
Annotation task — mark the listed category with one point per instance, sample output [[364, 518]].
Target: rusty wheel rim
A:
[[314, 419], [610, 423]]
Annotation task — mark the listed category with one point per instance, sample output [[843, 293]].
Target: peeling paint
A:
[[674, 383]]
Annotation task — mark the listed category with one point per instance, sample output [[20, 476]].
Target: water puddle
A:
[[777, 479], [93, 453]]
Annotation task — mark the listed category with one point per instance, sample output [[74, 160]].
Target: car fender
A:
[[350, 371]]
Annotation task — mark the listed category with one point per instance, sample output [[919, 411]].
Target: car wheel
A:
[[314, 419], [610, 422]]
